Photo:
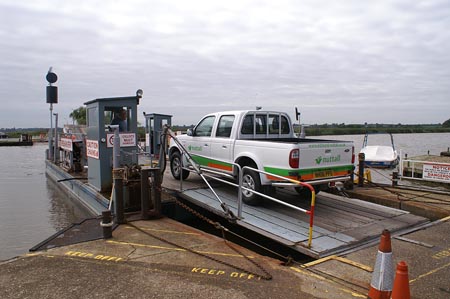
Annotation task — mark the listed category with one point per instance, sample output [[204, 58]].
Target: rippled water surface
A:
[[31, 208]]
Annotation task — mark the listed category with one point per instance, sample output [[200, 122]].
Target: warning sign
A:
[[436, 172], [92, 148], [126, 140], [66, 144]]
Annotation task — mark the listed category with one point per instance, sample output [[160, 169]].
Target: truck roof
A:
[[247, 111]]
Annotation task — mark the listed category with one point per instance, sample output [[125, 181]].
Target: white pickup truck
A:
[[263, 140]]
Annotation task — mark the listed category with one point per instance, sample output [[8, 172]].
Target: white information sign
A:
[[126, 139], [92, 148], [66, 144], [436, 172]]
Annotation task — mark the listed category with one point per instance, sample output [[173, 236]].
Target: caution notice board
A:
[[92, 149], [66, 144], [126, 140], [436, 172]]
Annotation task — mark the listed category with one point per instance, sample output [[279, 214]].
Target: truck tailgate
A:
[[325, 159]]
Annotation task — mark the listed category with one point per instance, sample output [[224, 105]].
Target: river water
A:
[[32, 208]]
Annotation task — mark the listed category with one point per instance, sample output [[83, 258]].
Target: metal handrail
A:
[[310, 212], [201, 168], [413, 167]]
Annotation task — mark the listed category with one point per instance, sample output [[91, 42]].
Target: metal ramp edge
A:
[[86, 230]]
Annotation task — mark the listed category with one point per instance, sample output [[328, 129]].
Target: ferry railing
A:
[[240, 170], [416, 166], [309, 212], [215, 172]]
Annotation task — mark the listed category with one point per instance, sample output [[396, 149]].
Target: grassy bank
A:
[[317, 130], [311, 130]]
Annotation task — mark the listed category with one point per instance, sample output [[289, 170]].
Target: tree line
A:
[[79, 116]]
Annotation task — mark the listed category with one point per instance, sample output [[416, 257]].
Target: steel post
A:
[[56, 149], [157, 181], [107, 224], [50, 135], [118, 179], [361, 159], [145, 194], [394, 178]]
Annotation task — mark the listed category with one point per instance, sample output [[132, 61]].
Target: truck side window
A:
[[274, 124], [247, 125], [225, 126], [260, 124], [204, 128], [284, 125]]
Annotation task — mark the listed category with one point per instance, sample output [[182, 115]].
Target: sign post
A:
[[52, 98]]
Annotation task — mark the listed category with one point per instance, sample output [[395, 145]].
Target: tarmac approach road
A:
[[133, 264]]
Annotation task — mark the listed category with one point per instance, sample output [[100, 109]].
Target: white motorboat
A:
[[380, 156]]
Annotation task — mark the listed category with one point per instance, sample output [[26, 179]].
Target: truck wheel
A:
[[251, 180], [175, 167]]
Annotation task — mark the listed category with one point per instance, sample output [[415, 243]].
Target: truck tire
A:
[[175, 167], [251, 180]]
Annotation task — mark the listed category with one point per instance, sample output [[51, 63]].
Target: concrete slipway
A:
[[162, 258], [136, 263]]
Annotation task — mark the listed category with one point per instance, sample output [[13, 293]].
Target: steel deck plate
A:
[[340, 223]]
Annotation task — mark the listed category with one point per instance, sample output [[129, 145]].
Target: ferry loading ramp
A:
[[341, 224]]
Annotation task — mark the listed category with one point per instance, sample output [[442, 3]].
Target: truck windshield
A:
[[204, 128]]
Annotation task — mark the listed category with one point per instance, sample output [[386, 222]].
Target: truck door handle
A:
[[206, 144], [224, 146]]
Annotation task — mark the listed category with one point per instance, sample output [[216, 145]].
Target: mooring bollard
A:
[[361, 159], [157, 191], [119, 210], [107, 224], [394, 178], [145, 194]]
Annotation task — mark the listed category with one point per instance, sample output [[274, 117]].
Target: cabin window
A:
[[263, 123], [92, 118], [204, 128], [121, 116], [284, 125], [278, 125], [225, 126]]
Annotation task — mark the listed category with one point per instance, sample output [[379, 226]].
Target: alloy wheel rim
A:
[[248, 182]]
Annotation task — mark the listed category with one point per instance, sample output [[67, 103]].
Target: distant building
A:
[[3, 135]]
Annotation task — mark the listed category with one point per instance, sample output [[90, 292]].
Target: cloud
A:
[[346, 61]]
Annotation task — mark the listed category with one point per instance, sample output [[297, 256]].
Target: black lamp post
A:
[[52, 98]]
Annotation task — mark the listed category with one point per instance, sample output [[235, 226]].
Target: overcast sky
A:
[[337, 61]]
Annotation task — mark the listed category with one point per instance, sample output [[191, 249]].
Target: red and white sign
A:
[[126, 140], [92, 148], [436, 172], [66, 144]]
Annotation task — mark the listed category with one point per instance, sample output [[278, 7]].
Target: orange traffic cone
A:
[[401, 282], [383, 273]]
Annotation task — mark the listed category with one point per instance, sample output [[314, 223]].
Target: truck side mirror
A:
[[189, 132]]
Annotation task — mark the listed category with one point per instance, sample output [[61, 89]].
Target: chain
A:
[[217, 225], [265, 276]]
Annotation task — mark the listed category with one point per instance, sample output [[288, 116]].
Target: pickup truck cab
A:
[[263, 140]]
